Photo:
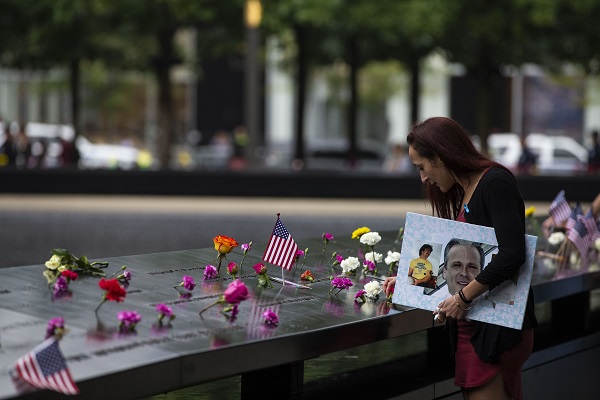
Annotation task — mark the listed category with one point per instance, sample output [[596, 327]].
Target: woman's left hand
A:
[[448, 309]]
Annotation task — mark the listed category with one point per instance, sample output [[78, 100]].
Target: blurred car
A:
[[91, 155], [556, 155], [106, 156]]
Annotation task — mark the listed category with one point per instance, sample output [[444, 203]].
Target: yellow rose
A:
[[359, 232], [224, 244], [529, 211]]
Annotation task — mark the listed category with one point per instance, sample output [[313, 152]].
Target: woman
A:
[[463, 184]]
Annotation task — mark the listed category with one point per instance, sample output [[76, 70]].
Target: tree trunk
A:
[[300, 95], [415, 89], [353, 105], [166, 114], [74, 72]]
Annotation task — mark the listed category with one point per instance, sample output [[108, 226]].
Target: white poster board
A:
[[504, 305]]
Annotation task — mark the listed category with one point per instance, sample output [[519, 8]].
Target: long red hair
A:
[[447, 139]]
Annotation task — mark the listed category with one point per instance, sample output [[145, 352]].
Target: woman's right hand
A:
[[388, 285]]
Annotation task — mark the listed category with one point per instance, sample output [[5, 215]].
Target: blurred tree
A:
[[485, 37], [43, 34], [149, 28], [357, 32]]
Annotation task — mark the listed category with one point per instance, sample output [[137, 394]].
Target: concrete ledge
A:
[[324, 184]]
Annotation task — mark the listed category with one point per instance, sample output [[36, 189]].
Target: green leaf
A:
[[61, 252]]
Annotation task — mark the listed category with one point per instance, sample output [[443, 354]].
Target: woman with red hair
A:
[[463, 184]]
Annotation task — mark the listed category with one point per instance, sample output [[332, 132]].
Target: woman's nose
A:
[[423, 177]]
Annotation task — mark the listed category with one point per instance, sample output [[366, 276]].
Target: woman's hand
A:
[[449, 309], [388, 285]]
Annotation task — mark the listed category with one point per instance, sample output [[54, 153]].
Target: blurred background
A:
[[294, 85]]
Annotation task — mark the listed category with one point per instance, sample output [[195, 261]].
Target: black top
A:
[[497, 203]]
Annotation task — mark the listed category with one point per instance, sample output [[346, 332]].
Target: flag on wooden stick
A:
[[281, 249]]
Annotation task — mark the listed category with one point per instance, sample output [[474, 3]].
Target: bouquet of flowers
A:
[[63, 260]]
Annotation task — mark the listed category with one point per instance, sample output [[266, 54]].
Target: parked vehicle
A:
[[555, 154]]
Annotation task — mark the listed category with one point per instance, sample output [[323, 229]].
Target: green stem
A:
[[99, 305]]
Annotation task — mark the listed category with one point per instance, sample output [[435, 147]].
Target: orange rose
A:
[[224, 244]]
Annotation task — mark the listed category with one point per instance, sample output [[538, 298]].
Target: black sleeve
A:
[[505, 212]]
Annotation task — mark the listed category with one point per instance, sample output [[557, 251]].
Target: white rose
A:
[[53, 262], [373, 289], [378, 256], [350, 264], [556, 238], [597, 244], [392, 257], [370, 238]]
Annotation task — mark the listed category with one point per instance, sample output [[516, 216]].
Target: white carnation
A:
[[53, 262], [378, 256], [392, 257], [350, 264], [556, 238], [597, 244], [370, 238], [373, 289]]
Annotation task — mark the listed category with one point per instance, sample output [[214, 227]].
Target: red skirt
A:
[[472, 372]]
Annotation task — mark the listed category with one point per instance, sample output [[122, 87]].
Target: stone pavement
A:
[[220, 205]]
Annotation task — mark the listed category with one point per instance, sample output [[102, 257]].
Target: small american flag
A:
[[591, 225], [576, 212], [581, 238], [45, 368], [559, 208], [281, 249]]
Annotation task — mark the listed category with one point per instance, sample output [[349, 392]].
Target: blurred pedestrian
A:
[[398, 160], [594, 154], [527, 164], [69, 155], [7, 148], [22, 147]]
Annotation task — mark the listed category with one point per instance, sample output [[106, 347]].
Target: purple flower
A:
[[60, 286], [232, 269], [360, 295], [126, 276], [369, 265], [129, 320], [188, 282], [270, 318], [246, 247], [210, 272], [341, 283], [164, 311], [299, 253], [55, 325], [327, 237]]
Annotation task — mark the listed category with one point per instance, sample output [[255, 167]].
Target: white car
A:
[[100, 155], [556, 154]]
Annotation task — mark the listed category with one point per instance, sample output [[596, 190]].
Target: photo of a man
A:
[[463, 261], [420, 270]]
